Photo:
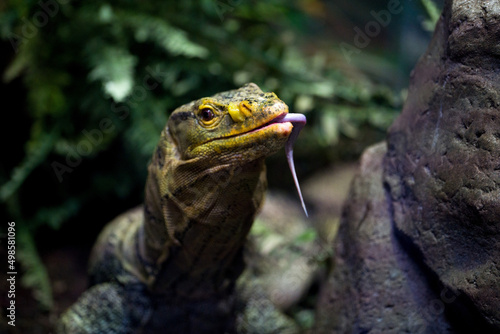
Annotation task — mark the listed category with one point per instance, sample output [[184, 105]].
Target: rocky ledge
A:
[[418, 248]]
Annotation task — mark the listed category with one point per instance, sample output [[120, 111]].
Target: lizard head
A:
[[238, 125]]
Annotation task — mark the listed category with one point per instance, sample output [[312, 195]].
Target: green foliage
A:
[[433, 13], [36, 152], [35, 275], [100, 79], [309, 235]]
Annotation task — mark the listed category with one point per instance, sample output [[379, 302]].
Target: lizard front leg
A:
[[108, 308]]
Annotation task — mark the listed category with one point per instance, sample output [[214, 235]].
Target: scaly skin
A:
[[172, 264]]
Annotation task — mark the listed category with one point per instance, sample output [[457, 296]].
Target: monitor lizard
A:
[[170, 266]]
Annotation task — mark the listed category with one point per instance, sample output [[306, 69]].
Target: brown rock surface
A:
[[443, 165], [374, 287], [419, 244]]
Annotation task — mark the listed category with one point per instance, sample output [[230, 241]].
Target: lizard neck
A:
[[197, 217]]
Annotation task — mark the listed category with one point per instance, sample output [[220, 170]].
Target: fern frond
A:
[[55, 216], [34, 156], [433, 14], [114, 67], [35, 276], [171, 39]]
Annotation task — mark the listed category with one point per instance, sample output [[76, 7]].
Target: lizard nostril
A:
[[235, 112], [246, 108]]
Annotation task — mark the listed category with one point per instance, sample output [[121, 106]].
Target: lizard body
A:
[[172, 264]]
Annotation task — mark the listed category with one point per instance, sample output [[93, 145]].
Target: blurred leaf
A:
[[303, 103], [18, 65], [35, 276], [54, 217], [114, 67], [168, 37], [307, 236], [330, 126], [433, 13], [36, 155], [259, 228]]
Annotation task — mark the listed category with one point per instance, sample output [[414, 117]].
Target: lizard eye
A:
[[207, 114]]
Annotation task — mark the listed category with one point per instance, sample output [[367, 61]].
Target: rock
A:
[[443, 165], [281, 266], [374, 286], [282, 249], [419, 243]]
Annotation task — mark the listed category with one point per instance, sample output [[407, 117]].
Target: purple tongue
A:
[[298, 121]]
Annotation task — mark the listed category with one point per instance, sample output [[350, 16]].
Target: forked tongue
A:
[[298, 121]]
